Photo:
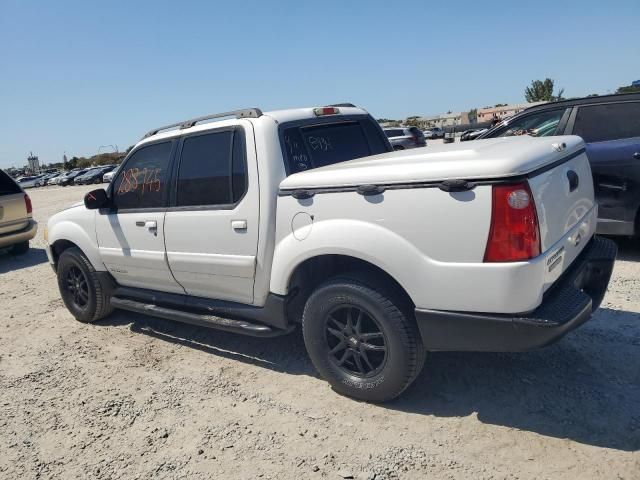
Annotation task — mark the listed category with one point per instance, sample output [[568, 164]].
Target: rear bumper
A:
[[565, 306], [26, 234]]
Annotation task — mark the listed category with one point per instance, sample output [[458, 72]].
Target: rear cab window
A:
[[7, 185], [312, 144]]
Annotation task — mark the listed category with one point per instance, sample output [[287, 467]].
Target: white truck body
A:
[[419, 221]]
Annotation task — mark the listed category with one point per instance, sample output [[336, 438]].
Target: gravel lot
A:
[[137, 397]]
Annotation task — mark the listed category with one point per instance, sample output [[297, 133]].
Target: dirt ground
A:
[[137, 397]]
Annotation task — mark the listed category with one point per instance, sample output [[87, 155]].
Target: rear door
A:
[[13, 209], [131, 234], [211, 228], [612, 134]]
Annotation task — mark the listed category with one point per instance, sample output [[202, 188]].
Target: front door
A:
[[612, 134], [211, 227], [131, 234]]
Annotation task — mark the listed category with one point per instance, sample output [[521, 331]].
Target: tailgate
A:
[[567, 213]]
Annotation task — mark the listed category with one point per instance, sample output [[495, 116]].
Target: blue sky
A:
[[78, 75]]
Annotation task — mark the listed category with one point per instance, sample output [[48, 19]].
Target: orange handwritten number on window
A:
[[150, 180]]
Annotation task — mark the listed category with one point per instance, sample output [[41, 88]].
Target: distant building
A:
[[444, 120], [34, 163], [489, 113], [635, 83]]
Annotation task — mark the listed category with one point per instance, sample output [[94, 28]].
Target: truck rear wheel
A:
[[361, 340], [80, 287]]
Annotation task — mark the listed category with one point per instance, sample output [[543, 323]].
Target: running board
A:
[[202, 320]]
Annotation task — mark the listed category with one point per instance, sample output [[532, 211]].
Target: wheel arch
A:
[[65, 235], [315, 270]]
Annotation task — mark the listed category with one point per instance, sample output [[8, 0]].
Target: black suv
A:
[[610, 126]]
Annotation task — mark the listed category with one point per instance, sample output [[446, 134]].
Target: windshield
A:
[[308, 146]]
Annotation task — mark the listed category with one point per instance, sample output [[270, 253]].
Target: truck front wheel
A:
[[80, 287], [361, 339]]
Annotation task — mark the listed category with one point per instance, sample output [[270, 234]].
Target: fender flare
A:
[[71, 232], [362, 240]]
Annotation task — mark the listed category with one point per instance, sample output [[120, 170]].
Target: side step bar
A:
[[202, 320]]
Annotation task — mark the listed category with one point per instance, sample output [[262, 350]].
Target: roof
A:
[[618, 97], [231, 118]]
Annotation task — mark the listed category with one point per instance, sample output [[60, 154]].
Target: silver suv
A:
[[402, 138], [17, 226]]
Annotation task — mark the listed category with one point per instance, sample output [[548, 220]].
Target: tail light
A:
[[27, 203], [514, 235]]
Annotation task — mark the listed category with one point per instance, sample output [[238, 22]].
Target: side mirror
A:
[[96, 199]]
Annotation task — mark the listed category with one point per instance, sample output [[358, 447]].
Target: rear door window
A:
[[313, 146], [7, 185], [614, 121], [212, 169]]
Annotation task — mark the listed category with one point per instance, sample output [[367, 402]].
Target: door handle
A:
[[636, 155], [239, 224], [150, 224]]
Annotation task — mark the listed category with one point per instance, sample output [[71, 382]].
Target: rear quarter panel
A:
[[420, 236]]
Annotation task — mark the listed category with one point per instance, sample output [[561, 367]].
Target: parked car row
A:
[[78, 176]]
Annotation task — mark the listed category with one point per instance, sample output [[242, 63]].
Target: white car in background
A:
[[107, 177], [30, 182]]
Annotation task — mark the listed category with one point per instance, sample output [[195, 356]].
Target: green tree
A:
[[73, 163], [542, 91]]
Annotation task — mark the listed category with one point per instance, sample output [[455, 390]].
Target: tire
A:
[[20, 248], [388, 335], [398, 147], [75, 273]]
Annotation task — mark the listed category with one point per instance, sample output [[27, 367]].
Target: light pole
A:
[[115, 148]]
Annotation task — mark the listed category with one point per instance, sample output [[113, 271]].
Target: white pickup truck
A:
[[256, 222]]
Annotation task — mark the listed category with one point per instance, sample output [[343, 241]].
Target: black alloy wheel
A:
[[356, 342], [77, 288], [361, 337]]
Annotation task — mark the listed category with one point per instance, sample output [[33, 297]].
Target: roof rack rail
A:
[[342, 105], [244, 113]]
